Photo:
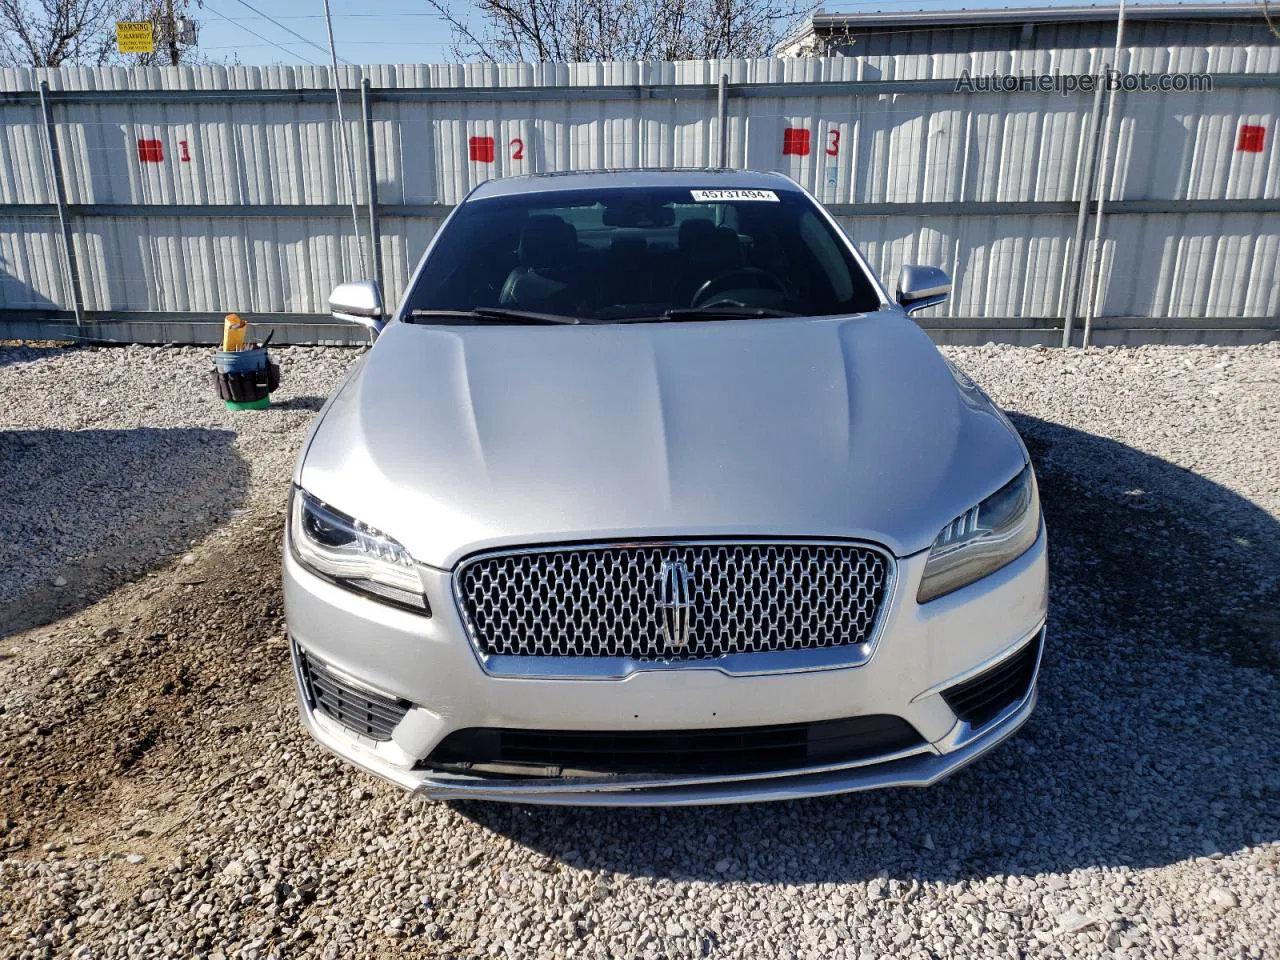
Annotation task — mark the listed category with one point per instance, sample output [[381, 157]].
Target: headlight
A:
[[353, 554], [983, 539]]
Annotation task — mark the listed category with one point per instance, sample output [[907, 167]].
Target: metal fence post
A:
[[60, 196], [722, 113], [1082, 218], [1105, 171], [371, 171], [964, 195]]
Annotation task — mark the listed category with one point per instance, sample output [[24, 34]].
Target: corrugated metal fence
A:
[[189, 193]]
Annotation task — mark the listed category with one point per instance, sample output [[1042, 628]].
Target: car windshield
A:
[[633, 254]]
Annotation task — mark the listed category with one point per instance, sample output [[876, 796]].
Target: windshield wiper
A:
[[494, 314], [713, 313]]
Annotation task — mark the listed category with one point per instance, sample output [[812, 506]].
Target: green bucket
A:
[[249, 404], [245, 378]]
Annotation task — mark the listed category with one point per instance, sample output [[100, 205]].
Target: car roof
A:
[[693, 178]]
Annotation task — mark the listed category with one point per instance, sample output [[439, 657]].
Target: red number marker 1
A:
[[150, 151]]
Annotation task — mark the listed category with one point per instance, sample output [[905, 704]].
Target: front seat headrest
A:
[[694, 233], [719, 250], [547, 241]]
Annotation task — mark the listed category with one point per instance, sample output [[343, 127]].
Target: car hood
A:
[[455, 439]]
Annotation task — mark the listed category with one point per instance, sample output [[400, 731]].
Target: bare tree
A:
[[50, 33], [56, 33], [577, 30], [1272, 21]]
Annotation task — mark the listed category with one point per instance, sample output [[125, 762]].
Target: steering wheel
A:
[[732, 279]]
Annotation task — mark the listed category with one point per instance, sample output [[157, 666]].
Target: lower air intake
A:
[[729, 751], [362, 711], [980, 700]]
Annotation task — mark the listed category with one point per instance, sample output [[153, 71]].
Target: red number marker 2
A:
[[517, 149]]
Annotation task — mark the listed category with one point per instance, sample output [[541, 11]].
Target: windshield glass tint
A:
[[620, 253]]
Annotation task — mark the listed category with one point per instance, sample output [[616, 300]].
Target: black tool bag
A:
[[248, 387]]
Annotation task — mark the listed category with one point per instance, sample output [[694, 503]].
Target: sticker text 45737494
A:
[[724, 196]]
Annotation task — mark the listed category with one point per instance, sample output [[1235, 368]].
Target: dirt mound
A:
[[154, 681]]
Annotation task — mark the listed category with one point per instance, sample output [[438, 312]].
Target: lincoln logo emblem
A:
[[675, 604]]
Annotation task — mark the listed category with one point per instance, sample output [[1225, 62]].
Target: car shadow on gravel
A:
[[86, 510], [1155, 739]]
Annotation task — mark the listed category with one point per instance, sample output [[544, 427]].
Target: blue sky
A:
[[402, 31], [367, 31]]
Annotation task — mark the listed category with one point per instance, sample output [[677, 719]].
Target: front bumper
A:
[[922, 651]]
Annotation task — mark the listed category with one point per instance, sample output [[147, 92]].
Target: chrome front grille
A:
[[616, 600]]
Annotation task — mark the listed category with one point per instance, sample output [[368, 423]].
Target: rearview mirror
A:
[[638, 214], [921, 286], [359, 301]]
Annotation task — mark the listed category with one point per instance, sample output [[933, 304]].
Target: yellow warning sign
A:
[[135, 36]]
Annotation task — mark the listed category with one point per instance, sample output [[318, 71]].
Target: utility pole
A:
[[171, 33], [342, 141]]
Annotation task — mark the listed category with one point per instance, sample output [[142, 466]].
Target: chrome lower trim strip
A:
[[611, 784], [985, 665], [735, 665]]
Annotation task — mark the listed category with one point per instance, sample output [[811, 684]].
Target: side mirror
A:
[[920, 287], [359, 301]]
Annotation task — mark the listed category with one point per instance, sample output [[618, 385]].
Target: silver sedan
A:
[[649, 493]]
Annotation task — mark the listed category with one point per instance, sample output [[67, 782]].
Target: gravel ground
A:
[[120, 457], [158, 798]]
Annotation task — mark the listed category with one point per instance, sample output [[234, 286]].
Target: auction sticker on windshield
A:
[[721, 196]]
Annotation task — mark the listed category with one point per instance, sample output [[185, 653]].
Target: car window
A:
[[626, 253], [819, 240]]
